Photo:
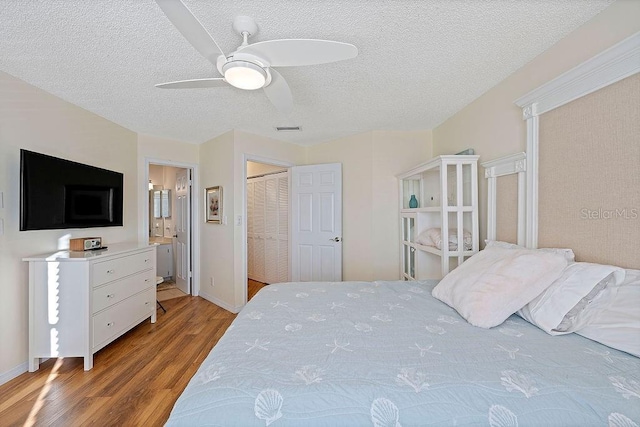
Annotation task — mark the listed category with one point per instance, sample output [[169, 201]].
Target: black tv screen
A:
[[57, 193]]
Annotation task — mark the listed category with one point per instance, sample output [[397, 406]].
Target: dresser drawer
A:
[[119, 318], [108, 271], [114, 292]]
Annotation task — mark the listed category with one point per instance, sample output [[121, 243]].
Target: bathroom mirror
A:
[[156, 203], [165, 202], [161, 203]]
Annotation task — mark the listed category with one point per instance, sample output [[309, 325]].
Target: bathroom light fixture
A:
[[244, 75], [150, 185]]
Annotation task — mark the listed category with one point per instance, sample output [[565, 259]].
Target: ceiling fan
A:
[[250, 66]]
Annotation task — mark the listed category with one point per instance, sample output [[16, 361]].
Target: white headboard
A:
[[611, 66], [508, 165]]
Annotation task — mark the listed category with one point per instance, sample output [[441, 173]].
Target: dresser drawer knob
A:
[[111, 295], [110, 324], [146, 260], [146, 280], [110, 271]]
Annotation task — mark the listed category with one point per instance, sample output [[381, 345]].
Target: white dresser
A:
[[81, 301]]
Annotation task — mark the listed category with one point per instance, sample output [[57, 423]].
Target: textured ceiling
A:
[[419, 61]]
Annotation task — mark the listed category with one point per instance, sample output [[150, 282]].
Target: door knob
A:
[[336, 239]]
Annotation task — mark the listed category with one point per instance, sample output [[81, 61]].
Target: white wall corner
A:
[[220, 303]]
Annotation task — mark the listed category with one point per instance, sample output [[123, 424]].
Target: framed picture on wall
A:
[[213, 204]]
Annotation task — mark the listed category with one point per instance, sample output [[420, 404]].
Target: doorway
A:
[[256, 168], [314, 212], [168, 221], [267, 190]]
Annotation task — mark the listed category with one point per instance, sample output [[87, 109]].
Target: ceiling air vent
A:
[[288, 128]]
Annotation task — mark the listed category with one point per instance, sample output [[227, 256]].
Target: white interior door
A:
[[183, 230], [316, 229], [283, 228]]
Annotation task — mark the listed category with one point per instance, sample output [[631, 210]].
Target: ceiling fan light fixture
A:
[[244, 75]]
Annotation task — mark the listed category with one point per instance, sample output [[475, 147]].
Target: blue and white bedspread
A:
[[389, 354]]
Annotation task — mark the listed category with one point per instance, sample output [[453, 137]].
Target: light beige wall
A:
[[256, 169], [370, 163], [156, 173], [157, 148], [493, 125], [222, 162], [38, 121], [217, 261]]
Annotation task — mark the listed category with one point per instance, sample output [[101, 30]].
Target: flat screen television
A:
[[57, 193]]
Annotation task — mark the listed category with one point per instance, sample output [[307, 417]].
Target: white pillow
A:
[[496, 282], [433, 237], [567, 253], [555, 310], [614, 316]]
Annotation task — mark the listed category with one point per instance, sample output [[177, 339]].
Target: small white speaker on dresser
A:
[[85, 243]]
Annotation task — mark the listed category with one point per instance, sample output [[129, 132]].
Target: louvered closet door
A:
[[271, 230], [283, 228], [259, 230], [268, 228], [250, 245]]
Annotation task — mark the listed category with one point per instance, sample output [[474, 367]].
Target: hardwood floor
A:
[[135, 380], [253, 287]]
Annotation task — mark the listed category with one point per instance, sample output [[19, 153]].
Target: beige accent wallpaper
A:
[[589, 181], [507, 208]]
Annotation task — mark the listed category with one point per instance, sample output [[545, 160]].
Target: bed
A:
[[389, 354], [492, 343]]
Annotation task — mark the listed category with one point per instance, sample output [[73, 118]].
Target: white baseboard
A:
[[220, 303], [5, 377]]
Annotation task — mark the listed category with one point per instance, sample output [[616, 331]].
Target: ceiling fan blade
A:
[[296, 52], [192, 30], [194, 83], [279, 92]]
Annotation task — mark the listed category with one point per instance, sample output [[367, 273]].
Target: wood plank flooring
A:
[[135, 380], [253, 287]]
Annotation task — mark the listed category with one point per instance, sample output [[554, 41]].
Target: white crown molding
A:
[[505, 165], [614, 64]]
